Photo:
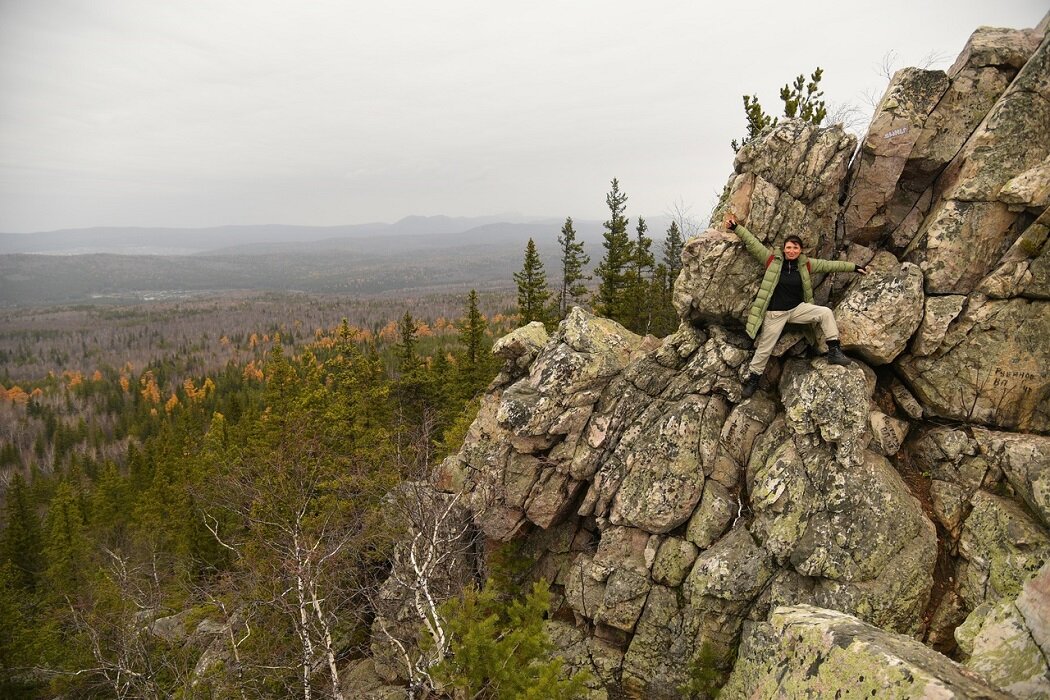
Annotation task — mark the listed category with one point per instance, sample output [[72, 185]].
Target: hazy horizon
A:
[[185, 115]]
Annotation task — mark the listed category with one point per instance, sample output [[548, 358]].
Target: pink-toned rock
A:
[[920, 125], [968, 228]]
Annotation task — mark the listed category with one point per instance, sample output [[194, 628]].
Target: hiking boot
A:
[[750, 386], [835, 355]]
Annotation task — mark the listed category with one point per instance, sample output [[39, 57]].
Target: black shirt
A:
[[788, 292]]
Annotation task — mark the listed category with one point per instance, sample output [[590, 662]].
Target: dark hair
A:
[[793, 239]]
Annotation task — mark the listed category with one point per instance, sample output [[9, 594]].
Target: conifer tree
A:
[[610, 300], [472, 330], [475, 359], [109, 504], [356, 395], [665, 318], [406, 349], [20, 540], [18, 632], [640, 298], [573, 260], [801, 99], [66, 545], [500, 648], [414, 391], [672, 258], [532, 287]]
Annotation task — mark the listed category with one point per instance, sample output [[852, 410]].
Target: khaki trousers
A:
[[773, 326]]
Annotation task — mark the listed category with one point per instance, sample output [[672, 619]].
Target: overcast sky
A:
[[210, 112]]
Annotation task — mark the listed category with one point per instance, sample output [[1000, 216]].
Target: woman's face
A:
[[792, 250]]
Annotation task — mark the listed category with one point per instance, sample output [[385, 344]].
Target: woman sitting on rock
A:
[[786, 296]]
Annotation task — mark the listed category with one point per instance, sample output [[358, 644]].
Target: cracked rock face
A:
[[969, 227], [908, 491], [991, 367], [919, 127]]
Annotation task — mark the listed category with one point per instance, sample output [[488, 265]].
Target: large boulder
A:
[[805, 651], [990, 367], [829, 401], [518, 477], [855, 532], [1008, 642], [938, 314], [718, 279], [519, 347], [878, 200], [570, 371], [665, 456], [1001, 548], [881, 310], [1025, 461]]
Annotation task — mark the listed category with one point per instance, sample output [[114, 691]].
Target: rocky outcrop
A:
[[880, 313], [1025, 462], [788, 182], [839, 508]]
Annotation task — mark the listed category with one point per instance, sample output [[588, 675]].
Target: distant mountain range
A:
[[189, 241], [415, 253]]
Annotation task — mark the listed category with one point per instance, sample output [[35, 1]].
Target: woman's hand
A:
[[861, 270], [730, 221]]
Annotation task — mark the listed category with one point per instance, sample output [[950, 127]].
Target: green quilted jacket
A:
[[772, 275]]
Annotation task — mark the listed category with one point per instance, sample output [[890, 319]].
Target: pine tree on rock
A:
[[802, 100], [573, 260], [532, 287], [613, 270]]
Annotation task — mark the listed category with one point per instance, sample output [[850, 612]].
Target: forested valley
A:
[[225, 460]]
